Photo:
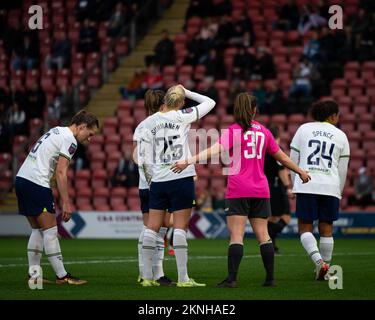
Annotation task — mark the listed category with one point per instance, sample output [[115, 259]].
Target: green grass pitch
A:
[[111, 268]]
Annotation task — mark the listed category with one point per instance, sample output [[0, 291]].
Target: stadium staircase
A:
[[104, 103]]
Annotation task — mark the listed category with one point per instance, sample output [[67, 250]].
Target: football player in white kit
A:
[[50, 158], [322, 149], [166, 141], [153, 103]]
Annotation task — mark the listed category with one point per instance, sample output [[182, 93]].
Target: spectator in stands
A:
[[226, 30], [327, 45], [88, 38], [206, 45], [198, 9], [16, 120], [244, 24], [264, 67], [311, 48], [359, 23], [5, 97], [12, 37], [60, 53], [18, 95], [214, 65], [126, 174], [301, 79], [323, 9], [274, 101], [5, 145], [86, 9], [363, 189], [164, 51], [260, 93], [219, 7], [366, 50], [134, 89], [194, 48], [235, 88], [243, 64], [288, 16], [153, 79], [310, 19], [26, 54], [116, 21], [36, 101], [208, 89]]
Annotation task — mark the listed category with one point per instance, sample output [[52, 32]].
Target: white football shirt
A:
[[137, 137], [40, 164], [167, 135], [320, 145]]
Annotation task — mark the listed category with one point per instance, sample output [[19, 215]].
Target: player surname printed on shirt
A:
[[320, 145], [40, 164], [168, 133]]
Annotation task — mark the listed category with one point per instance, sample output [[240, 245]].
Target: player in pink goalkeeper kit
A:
[[250, 181], [248, 194]]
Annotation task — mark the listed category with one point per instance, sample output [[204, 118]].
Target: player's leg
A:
[[328, 212], [144, 197], [182, 199], [307, 210], [326, 242], [47, 222], [236, 227], [24, 199], [35, 244], [157, 263], [140, 242], [259, 211], [280, 215], [266, 248], [150, 237]]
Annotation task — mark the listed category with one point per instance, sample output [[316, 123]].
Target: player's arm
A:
[[343, 170], [62, 186], [135, 152], [205, 105], [294, 155], [287, 162], [343, 164], [202, 156]]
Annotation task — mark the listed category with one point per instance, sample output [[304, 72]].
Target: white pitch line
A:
[[132, 259]]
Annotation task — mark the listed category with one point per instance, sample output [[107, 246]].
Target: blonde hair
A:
[[174, 97]]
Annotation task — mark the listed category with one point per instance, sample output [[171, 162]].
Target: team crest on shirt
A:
[[187, 110], [72, 148]]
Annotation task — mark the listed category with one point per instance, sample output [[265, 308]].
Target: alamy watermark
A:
[[36, 277], [336, 20], [36, 19], [335, 277]]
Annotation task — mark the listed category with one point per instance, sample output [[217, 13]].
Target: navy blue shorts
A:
[[312, 207], [144, 197], [173, 195], [33, 199]]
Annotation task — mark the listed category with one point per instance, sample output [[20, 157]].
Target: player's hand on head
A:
[[66, 212], [179, 166], [304, 175]]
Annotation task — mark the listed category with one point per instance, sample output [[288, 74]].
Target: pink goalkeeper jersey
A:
[[246, 178]]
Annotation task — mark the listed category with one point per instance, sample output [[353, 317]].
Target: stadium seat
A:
[[100, 199], [112, 163], [99, 179]]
